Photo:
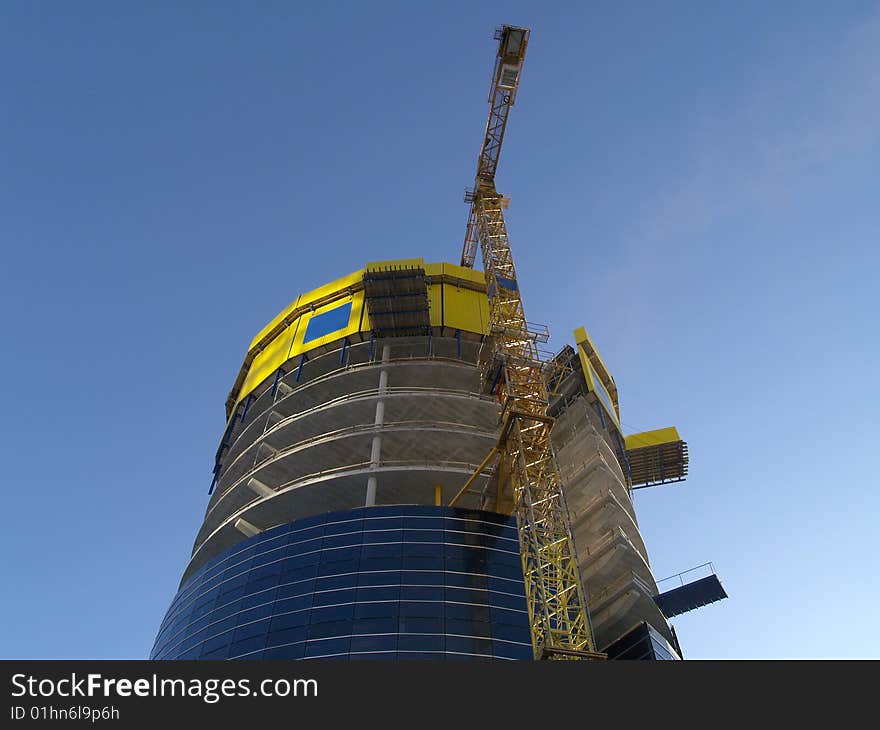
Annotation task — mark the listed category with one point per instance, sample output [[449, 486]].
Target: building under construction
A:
[[406, 473]]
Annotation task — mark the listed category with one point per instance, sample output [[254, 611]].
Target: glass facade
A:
[[643, 642], [403, 582]]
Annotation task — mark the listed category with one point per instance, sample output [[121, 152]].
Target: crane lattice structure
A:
[[554, 594]]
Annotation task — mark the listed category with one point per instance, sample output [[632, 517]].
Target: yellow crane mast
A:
[[527, 467]]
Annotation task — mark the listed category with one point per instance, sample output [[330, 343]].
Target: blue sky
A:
[[697, 185]]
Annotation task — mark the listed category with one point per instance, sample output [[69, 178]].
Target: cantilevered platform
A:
[[656, 457]]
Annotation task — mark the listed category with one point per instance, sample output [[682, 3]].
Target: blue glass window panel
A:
[[507, 616], [262, 584], [423, 578], [246, 646], [375, 522], [421, 593], [339, 527], [421, 608], [258, 599], [421, 625], [256, 613], [327, 322], [266, 570], [379, 578], [380, 642], [507, 650], [467, 595], [376, 610], [290, 651], [476, 564], [421, 642], [306, 538], [468, 645], [375, 626], [504, 558], [369, 565], [342, 560], [289, 620], [467, 580], [516, 587], [468, 628], [505, 600], [250, 630], [221, 641], [223, 624], [339, 541], [426, 562], [468, 612], [435, 536], [293, 635], [329, 629], [295, 589], [327, 647], [513, 572], [422, 550], [226, 609], [347, 579], [509, 632], [328, 598], [235, 583], [297, 575], [389, 550], [391, 593]]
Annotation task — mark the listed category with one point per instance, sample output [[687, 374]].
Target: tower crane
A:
[[555, 599]]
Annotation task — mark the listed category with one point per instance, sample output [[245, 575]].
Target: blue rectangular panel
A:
[[327, 322]]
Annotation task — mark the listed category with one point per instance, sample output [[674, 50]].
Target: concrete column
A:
[[378, 422], [260, 488], [246, 528]]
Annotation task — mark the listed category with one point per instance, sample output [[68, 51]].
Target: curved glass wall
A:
[[383, 582]]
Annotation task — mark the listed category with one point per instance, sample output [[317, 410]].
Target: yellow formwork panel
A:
[[656, 437], [435, 304], [452, 306], [353, 326], [462, 272], [595, 385], [340, 285], [465, 309], [273, 356], [581, 337], [278, 319]]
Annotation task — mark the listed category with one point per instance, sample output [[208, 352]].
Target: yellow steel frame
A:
[[554, 594]]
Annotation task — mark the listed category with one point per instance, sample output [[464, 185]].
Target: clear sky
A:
[[695, 183]]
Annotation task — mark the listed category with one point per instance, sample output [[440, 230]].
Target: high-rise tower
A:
[[357, 417]]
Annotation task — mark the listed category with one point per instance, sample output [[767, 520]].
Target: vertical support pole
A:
[[458, 342], [217, 467], [622, 447], [302, 361], [279, 373], [438, 495], [378, 422], [247, 404], [343, 351]]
